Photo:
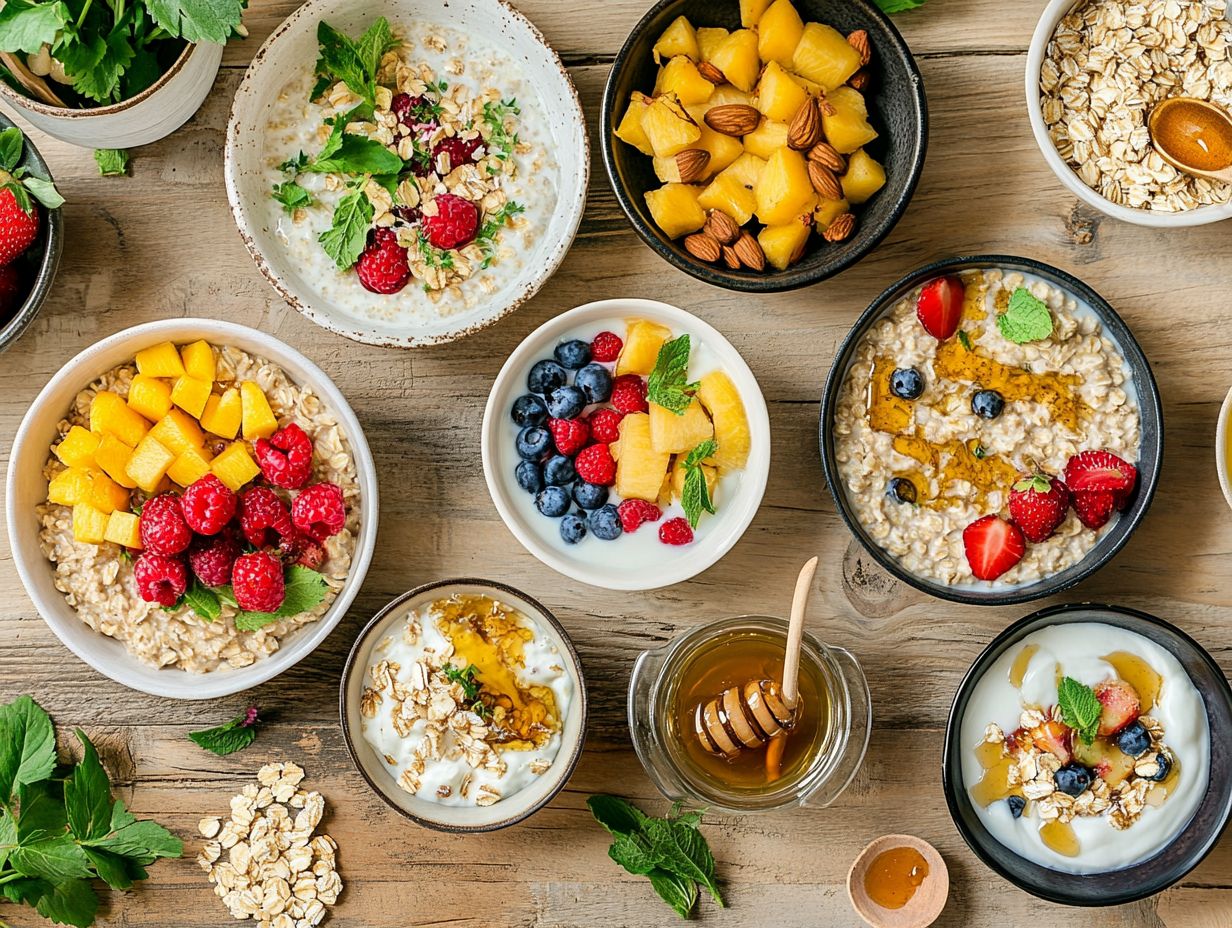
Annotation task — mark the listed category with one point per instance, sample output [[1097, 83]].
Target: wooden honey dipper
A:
[[760, 712]]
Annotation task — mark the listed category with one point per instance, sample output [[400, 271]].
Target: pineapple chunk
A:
[[190, 394], [681, 77], [827, 211], [677, 39], [105, 494], [723, 149], [731, 426], [150, 397], [642, 343], [679, 434], [149, 462], [766, 139], [784, 245], [630, 128], [778, 94], [78, 447], [726, 93], [751, 11], [710, 38], [160, 361], [113, 456], [778, 32], [737, 58], [222, 414], [864, 177], [679, 471], [747, 169], [728, 195], [70, 487], [189, 467], [110, 415], [640, 470], [824, 55], [124, 528], [848, 129], [89, 524], [198, 361], [668, 126], [257, 420], [675, 209], [784, 189], [177, 431], [234, 466]]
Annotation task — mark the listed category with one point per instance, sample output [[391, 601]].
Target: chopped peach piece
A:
[[198, 361], [234, 466], [149, 463], [109, 414], [124, 528], [160, 360], [78, 447], [113, 457], [89, 524], [150, 397]]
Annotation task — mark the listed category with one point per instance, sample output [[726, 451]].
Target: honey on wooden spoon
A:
[[1193, 136]]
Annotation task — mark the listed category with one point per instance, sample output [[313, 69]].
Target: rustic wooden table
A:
[[161, 243]]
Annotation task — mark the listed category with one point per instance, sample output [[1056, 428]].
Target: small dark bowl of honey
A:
[[709, 726]]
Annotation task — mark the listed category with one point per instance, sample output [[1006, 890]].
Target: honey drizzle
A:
[[1138, 674], [1018, 670], [995, 783], [1060, 837]]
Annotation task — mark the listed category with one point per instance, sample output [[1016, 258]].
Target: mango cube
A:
[[110, 415], [679, 434], [160, 361], [640, 470], [823, 55], [737, 58], [106, 495], [234, 466], [124, 528], [258, 419], [89, 524], [198, 359], [70, 487], [751, 11], [189, 467], [709, 38], [190, 394], [864, 177], [149, 462], [177, 431], [222, 414], [630, 129], [677, 39], [675, 209], [778, 32], [150, 397], [641, 350], [78, 447], [113, 457]]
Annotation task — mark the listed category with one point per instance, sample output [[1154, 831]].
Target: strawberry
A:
[[993, 546], [1094, 507], [1100, 470], [1121, 706], [1038, 504], [18, 228], [939, 307], [1054, 737], [13, 291]]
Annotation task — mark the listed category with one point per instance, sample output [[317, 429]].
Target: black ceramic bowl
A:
[[38, 265], [1150, 453], [1154, 874], [897, 108]]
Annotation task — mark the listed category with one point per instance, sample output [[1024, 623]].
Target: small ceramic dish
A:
[[594, 561], [26, 488], [291, 50], [457, 818], [1149, 459], [1139, 880], [897, 107], [1223, 454], [926, 902]]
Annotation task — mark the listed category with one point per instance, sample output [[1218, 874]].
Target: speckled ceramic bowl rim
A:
[[554, 258], [769, 281], [483, 586], [1148, 402], [951, 775]]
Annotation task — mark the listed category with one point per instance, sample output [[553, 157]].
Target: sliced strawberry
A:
[[993, 546], [1054, 737], [1100, 470], [1121, 706], [1094, 507], [939, 307], [1038, 504]]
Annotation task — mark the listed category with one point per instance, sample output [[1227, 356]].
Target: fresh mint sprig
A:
[[668, 384], [899, 6], [230, 737], [344, 240], [1026, 318], [354, 62], [1080, 709], [695, 497], [305, 588]]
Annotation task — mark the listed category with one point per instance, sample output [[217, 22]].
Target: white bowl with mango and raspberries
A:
[[192, 507]]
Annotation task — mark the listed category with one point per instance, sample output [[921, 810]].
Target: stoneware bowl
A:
[[41, 260], [1150, 454], [923, 908], [293, 47], [897, 107], [461, 819], [153, 114], [1223, 454], [27, 488], [1052, 15], [1140, 880], [602, 563]]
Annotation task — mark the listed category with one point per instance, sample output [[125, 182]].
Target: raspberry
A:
[[382, 268], [208, 505], [407, 108], [160, 579], [629, 393], [605, 425], [606, 347], [261, 509], [256, 580], [570, 435], [455, 224], [302, 550], [408, 214], [163, 529], [595, 465], [319, 511], [211, 558], [460, 152], [635, 512], [286, 457], [675, 532]]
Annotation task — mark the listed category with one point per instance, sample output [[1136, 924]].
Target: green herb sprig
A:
[[230, 737], [491, 228], [668, 384], [1080, 709], [899, 6], [20, 181], [467, 678], [1026, 319], [352, 61], [695, 496], [501, 142]]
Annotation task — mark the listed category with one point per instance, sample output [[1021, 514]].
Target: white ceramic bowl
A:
[[153, 114], [1223, 434], [1052, 15], [461, 819], [26, 488], [540, 535], [293, 46]]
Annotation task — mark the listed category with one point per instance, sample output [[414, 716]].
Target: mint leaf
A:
[[677, 891], [55, 859], [87, 795], [354, 154], [899, 6], [202, 601], [1079, 708], [226, 739], [44, 191], [11, 143], [1037, 482], [142, 841], [27, 27], [292, 196], [616, 815], [1026, 319], [355, 63], [112, 162], [668, 384], [212, 21], [682, 850], [27, 746], [305, 589], [695, 496], [72, 902], [344, 240]]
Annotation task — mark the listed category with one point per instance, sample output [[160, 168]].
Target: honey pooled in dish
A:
[[894, 875]]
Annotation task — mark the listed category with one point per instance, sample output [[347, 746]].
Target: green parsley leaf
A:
[[112, 162], [230, 737], [344, 240], [1079, 708], [72, 902], [354, 154], [305, 588], [87, 795], [695, 496], [501, 141], [1026, 319], [212, 21], [27, 27], [899, 6], [465, 678], [97, 62], [965, 339], [203, 601], [44, 191], [11, 144], [292, 196], [487, 238], [355, 63], [668, 383], [27, 746]]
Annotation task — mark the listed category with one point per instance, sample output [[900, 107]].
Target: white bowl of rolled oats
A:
[[1095, 70], [407, 173], [137, 579]]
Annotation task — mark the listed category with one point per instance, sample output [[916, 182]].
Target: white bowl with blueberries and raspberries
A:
[[626, 444]]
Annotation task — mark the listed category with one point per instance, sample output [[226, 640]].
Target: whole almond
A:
[[730, 258], [691, 163], [823, 104], [805, 129], [748, 250], [826, 155], [700, 245], [861, 79], [824, 181], [711, 73], [732, 118], [859, 41], [840, 228], [722, 227]]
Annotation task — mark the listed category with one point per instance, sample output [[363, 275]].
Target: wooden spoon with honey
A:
[[1193, 136]]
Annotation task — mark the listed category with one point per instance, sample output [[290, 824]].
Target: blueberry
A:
[[1133, 739], [1165, 768], [558, 471], [552, 502], [533, 443], [589, 495], [573, 354], [605, 523], [529, 476], [596, 382], [566, 403], [987, 404], [1073, 779], [529, 409], [545, 377], [572, 529], [1016, 804], [907, 382], [901, 490]]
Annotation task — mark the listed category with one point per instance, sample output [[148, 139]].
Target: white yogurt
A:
[[1076, 648]]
